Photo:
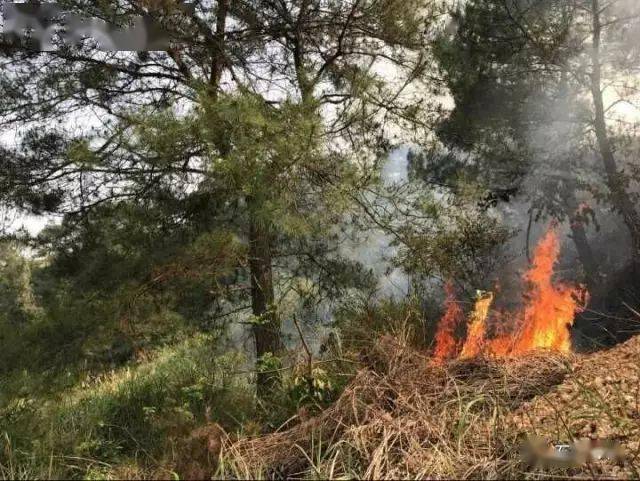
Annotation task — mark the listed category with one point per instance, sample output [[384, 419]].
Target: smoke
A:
[[565, 166], [564, 174], [376, 251]]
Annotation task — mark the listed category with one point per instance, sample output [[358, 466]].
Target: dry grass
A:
[[405, 418], [600, 399]]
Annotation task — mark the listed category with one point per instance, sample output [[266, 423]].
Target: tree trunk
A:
[[615, 178], [266, 331], [588, 260], [218, 61], [579, 236]]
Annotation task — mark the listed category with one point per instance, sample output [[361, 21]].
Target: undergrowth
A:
[[136, 412], [388, 412], [407, 419]]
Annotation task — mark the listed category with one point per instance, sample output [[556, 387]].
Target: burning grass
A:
[[464, 411], [405, 417], [544, 322]]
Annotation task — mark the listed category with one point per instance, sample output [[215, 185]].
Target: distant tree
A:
[[621, 60]]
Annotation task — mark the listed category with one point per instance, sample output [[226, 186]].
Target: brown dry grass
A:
[[405, 418], [599, 399]]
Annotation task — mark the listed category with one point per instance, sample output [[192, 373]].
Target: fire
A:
[[544, 322], [475, 341], [446, 344], [550, 310]]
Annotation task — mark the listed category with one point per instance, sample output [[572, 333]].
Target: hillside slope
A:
[[404, 417], [598, 399]]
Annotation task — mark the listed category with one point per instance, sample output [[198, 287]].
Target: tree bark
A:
[[615, 177], [266, 330]]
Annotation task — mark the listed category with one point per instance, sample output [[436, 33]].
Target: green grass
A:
[[135, 413]]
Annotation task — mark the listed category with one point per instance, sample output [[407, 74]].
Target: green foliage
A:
[[316, 389], [17, 303], [299, 394], [255, 154], [268, 362], [195, 162], [462, 243], [136, 411], [141, 261], [496, 66]]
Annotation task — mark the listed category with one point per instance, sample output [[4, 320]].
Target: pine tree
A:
[[273, 110]]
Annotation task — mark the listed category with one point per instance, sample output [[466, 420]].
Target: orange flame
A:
[[551, 309], [474, 343], [543, 323], [446, 345]]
